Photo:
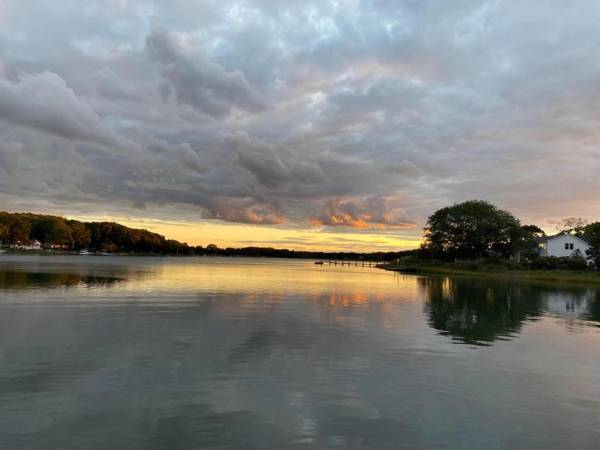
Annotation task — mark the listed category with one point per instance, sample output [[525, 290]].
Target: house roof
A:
[[563, 233]]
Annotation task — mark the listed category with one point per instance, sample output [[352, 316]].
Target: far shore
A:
[[14, 252], [560, 276]]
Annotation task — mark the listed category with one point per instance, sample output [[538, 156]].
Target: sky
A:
[[335, 125]]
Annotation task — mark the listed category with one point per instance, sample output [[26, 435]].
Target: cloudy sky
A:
[[297, 123]]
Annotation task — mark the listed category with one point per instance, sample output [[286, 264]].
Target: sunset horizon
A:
[[299, 224], [292, 237], [264, 125]]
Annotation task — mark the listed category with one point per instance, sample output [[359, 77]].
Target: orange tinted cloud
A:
[[369, 212], [228, 234], [253, 214]]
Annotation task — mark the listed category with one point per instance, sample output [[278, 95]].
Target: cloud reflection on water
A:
[[250, 354]]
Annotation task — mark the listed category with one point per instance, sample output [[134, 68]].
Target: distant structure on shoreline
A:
[[32, 245], [564, 245]]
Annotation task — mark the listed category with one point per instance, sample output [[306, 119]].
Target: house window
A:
[[569, 246]]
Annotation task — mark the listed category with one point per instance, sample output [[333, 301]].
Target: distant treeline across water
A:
[[54, 232]]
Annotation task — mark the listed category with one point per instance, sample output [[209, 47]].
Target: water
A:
[[173, 353]]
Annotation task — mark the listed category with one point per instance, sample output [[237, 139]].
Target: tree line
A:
[[478, 230], [111, 237], [59, 232], [472, 230]]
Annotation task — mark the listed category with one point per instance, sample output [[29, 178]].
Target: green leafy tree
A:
[[50, 229], [18, 230], [41, 227], [530, 241], [60, 234], [80, 235], [592, 234], [3, 233], [471, 230]]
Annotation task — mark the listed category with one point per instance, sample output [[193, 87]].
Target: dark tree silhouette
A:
[[592, 235], [470, 230]]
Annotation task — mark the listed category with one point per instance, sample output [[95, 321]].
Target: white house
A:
[[564, 244], [33, 245]]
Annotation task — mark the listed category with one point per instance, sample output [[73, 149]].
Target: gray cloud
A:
[[369, 114], [202, 84], [45, 102], [275, 165]]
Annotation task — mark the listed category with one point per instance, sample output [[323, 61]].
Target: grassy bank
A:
[[563, 276]]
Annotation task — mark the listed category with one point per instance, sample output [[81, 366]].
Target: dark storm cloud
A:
[[366, 114]]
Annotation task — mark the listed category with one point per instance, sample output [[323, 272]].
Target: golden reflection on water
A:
[[217, 352], [473, 311], [288, 277], [336, 291]]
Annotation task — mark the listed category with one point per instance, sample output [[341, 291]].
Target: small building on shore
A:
[[32, 245], [564, 245], [58, 246]]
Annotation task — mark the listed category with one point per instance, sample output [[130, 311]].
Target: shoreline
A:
[[557, 276], [561, 276]]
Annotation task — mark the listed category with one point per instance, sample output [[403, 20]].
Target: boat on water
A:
[[319, 263]]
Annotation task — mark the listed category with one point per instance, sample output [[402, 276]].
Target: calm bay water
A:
[[173, 353]]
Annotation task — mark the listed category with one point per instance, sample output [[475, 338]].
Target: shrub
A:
[[491, 263], [554, 263]]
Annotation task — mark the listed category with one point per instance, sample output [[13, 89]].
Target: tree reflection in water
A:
[[479, 311], [49, 280]]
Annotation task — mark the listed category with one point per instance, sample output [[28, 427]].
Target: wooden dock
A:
[[356, 263]]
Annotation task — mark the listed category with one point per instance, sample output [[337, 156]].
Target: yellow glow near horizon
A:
[[242, 235]]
